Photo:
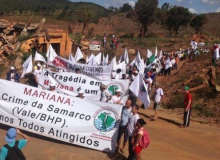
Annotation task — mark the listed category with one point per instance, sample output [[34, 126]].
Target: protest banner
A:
[[101, 72], [85, 123], [71, 83]]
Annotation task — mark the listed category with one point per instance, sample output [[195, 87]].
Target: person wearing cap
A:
[[80, 94], [37, 73], [117, 97], [148, 81], [52, 87], [104, 97], [158, 99], [13, 75], [187, 107], [10, 139]]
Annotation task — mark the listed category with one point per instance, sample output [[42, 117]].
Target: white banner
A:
[[101, 72], [69, 83], [85, 123]]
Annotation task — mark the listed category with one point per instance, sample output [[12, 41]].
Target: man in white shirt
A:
[[131, 127], [117, 99], [37, 73], [158, 99], [125, 116], [104, 97], [148, 81]]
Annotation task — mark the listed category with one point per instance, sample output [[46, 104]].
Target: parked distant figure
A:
[[12, 150], [13, 75]]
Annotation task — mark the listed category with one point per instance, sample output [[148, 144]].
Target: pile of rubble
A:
[[9, 36]]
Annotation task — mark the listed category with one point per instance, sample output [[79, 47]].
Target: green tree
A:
[[87, 16], [125, 8], [145, 12], [197, 22], [177, 17], [166, 6]]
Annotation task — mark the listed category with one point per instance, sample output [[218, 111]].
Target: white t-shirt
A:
[[12, 75], [149, 80], [37, 73], [104, 96], [132, 124], [173, 61], [167, 64], [158, 95], [115, 99]]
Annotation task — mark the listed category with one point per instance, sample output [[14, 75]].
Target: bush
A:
[[176, 102]]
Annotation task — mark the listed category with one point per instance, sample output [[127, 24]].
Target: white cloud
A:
[[218, 10], [179, 1], [192, 10], [190, 2], [132, 3], [211, 2]]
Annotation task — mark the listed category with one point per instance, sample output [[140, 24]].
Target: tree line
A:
[[171, 17]]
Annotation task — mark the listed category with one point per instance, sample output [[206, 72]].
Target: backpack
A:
[[14, 153], [145, 139]]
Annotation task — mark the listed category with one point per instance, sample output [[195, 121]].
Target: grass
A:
[[176, 102], [203, 110]]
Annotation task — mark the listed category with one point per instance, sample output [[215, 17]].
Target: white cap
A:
[[39, 65], [118, 90], [12, 67], [52, 84], [81, 91]]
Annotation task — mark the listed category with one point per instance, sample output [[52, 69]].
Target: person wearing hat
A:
[[104, 97], [37, 73], [13, 75], [148, 81], [80, 94], [52, 87], [117, 97], [11, 142], [187, 107]]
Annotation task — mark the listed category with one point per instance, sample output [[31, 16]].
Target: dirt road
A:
[[168, 142]]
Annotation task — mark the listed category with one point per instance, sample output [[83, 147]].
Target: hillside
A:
[[57, 9]]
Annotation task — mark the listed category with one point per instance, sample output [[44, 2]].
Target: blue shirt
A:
[[125, 115], [4, 151]]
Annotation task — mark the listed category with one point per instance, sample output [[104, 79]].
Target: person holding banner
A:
[[37, 72], [105, 97], [117, 97], [11, 143], [13, 75], [52, 87], [81, 94]]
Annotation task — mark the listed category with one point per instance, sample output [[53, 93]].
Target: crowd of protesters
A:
[[131, 126]]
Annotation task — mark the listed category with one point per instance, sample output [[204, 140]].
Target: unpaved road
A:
[[168, 142]]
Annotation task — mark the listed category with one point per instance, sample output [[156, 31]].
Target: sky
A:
[[194, 6]]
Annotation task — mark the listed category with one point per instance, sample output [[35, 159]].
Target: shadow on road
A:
[[170, 121]]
